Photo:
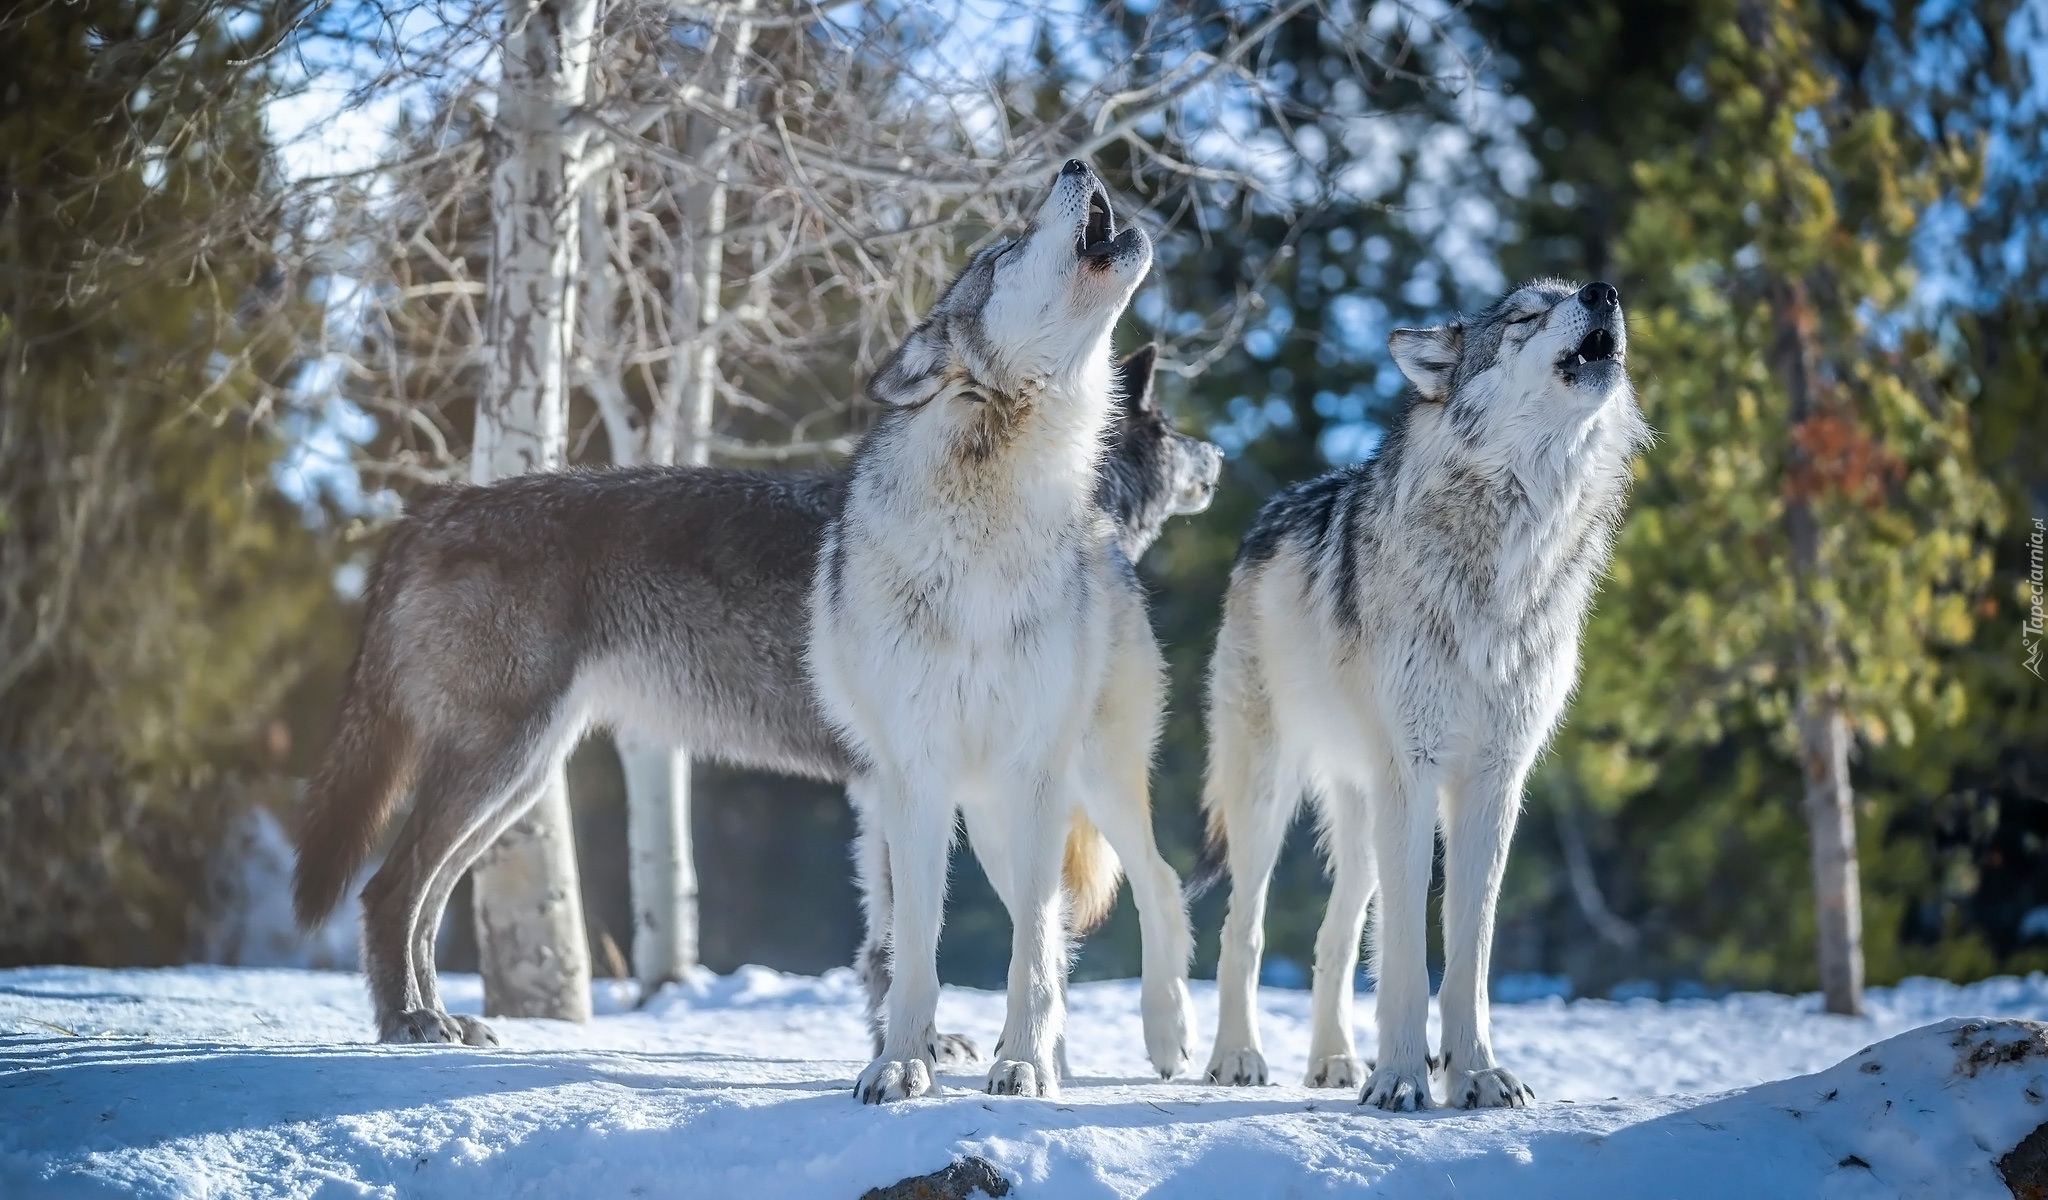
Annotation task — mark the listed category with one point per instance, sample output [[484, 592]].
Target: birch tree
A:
[[529, 904], [662, 855]]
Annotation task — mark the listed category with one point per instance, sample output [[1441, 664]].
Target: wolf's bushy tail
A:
[[364, 770], [1210, 867], [1090, 870]]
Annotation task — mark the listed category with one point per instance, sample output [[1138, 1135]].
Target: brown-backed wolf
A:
[[500, 622]]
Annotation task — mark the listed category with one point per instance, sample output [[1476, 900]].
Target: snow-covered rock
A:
[[219, 1082]]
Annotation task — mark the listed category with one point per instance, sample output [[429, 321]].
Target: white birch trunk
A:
[[529, 906], [664, 871], [662, 867]]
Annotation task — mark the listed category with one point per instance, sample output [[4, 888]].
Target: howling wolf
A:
[[981, 641], [501, 622], [1399, 639]]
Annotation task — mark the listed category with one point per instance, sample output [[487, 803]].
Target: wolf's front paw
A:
[[1334, 1071], [1169, 1029], [1015, 1077], [952, 1050], [889, 1079], [1238, 1068], [474, 1032], [1398, 1090], [1494, 1087], [420, 1026]]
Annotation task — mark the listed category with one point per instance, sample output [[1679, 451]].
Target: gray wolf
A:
[[501, 622], [1149, 472], [1399, 640], [981, 642]]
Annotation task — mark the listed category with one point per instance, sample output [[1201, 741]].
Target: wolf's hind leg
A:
[[1332, 1057], [1250, 801], [457, 789], [390, 900], [1125, 819], [485, 830], [1479, 822], [871, 961]]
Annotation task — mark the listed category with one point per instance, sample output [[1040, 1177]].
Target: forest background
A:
[[1826, 222]]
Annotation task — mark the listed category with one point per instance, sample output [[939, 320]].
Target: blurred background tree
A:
[[1813, 529], [158, 599], [1865, 188]]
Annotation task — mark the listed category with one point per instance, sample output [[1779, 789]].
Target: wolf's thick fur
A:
[[982, 642], [500, 622], [1399, 640]]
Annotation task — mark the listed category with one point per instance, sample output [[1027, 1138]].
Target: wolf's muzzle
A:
[[1098, 229], [1599, 344]]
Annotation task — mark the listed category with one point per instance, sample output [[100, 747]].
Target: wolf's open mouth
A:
[[1597, 345], [1100, 229]]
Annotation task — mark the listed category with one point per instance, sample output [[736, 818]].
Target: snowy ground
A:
[[227, 1082]]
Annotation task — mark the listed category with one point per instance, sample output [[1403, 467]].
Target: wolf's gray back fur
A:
[[1399, 640], [502, 621]]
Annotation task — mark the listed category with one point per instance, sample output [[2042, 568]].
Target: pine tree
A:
[[158, 599], [1809, 531], [1976, 802]]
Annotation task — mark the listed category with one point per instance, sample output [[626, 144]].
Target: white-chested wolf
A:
[[500, 622], [1399, 639], [982, 643]]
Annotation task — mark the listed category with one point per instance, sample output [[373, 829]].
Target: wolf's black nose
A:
[[1599, 296], [1074, 167]]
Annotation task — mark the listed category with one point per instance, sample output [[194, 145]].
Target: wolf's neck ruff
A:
[[1517, 517], [986, 459]]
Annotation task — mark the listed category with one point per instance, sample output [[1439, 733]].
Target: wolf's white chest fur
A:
[[1467, 632], [970, 558]]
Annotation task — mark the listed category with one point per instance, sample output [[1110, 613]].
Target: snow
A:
[[254, 925], [213, 1081]]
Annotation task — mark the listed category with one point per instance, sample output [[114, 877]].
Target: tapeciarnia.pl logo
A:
[[2030, 629]]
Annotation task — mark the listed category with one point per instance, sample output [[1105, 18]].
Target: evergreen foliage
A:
[[1786, 220], [160, 601]]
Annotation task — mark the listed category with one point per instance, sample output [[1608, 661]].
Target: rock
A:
[[2025, 1168], [956, 1182]]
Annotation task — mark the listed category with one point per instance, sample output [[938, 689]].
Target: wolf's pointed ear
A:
[[1134, 378], [1428, 357], [906, 377]]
